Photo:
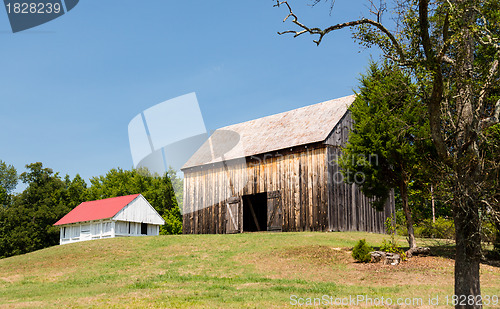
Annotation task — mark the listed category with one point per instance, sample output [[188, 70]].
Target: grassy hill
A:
[[254, 270]]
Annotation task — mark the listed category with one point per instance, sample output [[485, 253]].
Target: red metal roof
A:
[[97, 210]]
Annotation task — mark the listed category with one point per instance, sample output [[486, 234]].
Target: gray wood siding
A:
[[350, 209], [340, 134], [299, 175]]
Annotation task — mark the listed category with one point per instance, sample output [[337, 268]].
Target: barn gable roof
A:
[[97, 210], [306, 125]]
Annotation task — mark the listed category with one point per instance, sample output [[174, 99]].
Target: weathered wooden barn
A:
[[130, 215], [278, 173]]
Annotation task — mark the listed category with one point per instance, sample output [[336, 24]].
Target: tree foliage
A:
[[8, 182], [8, 177], [390, 132], [75, 190], [390, 137], [27, 224]]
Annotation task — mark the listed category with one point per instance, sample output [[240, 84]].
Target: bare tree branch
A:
[[331, 5], [446, 111], [494, 119], [486, 37], [448, 60], [323, 32], [489, 80], [377, 11], [424, 29], [434, 104], [446, 43]]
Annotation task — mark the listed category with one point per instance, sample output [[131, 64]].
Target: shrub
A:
[[488, 232], [442, 228], [445, 229], [496, 248], [496, 244], [401, 230], [361, 252], [401, 223], [392, 247]]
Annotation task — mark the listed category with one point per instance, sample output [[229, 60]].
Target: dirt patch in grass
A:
[[27, 304], [416, 271], [327, 264], [316, 254], [312, 262], [330, 264], [11, 279]]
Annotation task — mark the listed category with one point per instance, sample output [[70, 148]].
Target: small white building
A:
[[130, 215]]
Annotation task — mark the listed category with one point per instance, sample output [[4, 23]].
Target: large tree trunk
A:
[[403, 187], [467, 170], [468, 255], [459, 154]]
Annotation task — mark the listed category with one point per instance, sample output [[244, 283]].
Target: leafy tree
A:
[[27, 225], [3, 196], [177, 186], [8, 181], [76, 191], [452, 48], [421, 194], [389, 138], [8, 177]]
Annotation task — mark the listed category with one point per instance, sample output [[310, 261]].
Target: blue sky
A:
[[70, 87]]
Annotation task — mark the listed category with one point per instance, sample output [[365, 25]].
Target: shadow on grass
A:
[[446, 248]]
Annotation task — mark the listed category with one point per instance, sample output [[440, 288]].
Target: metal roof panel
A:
[[97, 210]]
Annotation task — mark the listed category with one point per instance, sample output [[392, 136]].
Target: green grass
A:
[[254, 270]]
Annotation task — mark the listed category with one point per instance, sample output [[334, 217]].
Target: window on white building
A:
[[85, 229], [95, 228]]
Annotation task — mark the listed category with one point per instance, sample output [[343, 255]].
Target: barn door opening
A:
[[274, 211], [255, 212], [233, 215]]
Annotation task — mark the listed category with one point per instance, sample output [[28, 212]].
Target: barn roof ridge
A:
[[301, 126], [286, 112]]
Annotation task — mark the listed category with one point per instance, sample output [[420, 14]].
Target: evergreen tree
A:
[[389, 138]]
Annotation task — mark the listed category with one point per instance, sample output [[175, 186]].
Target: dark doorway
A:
[[144, 228], [255, 212]]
